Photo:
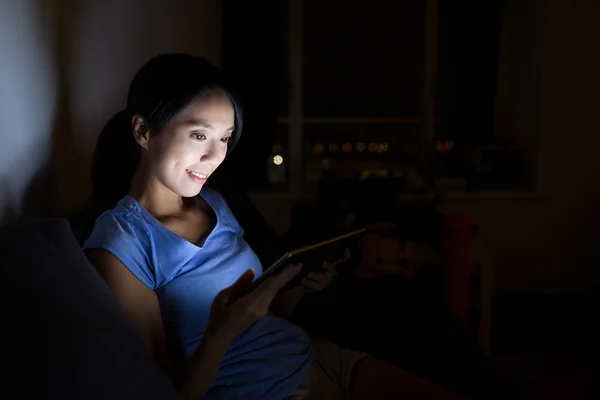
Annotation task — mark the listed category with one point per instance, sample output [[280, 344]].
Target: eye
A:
[[225, 139], [198, 136]]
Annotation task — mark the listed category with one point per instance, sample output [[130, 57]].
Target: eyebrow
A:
[[202, 123]]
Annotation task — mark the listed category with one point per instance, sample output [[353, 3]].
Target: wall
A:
[[549, 88], [64, 70], [549, 244], [28, 99], [65, 65]]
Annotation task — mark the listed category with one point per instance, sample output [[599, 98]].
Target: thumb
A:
[[243, 285]]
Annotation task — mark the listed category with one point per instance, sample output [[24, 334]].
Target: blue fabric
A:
[[269, 359]]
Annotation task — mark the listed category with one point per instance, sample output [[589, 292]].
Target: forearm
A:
[[285, 303], [201, 369]]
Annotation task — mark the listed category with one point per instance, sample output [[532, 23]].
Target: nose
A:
[[208, 152]]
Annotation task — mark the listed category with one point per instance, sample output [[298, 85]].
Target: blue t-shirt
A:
[[269, 359]]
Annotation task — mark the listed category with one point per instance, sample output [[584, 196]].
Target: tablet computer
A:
[[311, 256]]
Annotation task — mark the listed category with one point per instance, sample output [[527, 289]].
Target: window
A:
[[356, 86], [397, 88]]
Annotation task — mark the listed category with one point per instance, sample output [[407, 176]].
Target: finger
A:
[[345, 257], [221, 299], [281, 279], [312, 285], [266, 291], [330, 268], [321, 278], [243, 285]]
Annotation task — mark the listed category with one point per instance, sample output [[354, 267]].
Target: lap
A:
[[329, 378], [342, 374]]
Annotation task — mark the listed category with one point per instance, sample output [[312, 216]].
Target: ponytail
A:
[[115, 158]]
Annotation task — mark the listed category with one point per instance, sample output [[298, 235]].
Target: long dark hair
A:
[[160, 90]]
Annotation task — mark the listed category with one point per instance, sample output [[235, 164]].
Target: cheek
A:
[[167, 155], [222, 153], [156, 154]]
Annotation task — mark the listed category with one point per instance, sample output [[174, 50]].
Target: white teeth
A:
[[196, 174]]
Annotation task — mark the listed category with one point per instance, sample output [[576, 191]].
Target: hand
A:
[[317, 281], [235, 308]]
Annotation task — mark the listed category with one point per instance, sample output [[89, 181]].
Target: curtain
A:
[[252, 54], [468, 36]]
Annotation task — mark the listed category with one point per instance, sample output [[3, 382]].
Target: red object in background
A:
[[457, 260]]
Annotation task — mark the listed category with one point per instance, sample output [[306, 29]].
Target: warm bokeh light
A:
[[277, 160], [444, 145], [383, 147]]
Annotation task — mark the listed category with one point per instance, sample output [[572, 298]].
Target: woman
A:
[[176, 259]]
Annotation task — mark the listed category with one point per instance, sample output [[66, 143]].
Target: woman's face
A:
[[189, 150]]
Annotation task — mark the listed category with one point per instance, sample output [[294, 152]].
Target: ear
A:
[[141, 132]]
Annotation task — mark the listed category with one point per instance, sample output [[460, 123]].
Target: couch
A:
[[83, 346], [56, 305]]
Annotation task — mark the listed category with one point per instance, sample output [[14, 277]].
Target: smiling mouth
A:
[[197, 174]]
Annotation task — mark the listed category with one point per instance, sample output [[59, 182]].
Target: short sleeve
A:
[[127, 241]]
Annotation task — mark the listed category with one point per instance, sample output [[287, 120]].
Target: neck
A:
[[157, 199]]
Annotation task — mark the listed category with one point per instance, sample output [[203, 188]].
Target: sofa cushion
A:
[[55, 303]]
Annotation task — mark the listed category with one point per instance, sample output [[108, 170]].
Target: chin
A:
[[190, 191], [184, 189]]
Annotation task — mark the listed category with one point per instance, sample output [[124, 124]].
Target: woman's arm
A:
[[140, 304], [142, 307], [232, 311]]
